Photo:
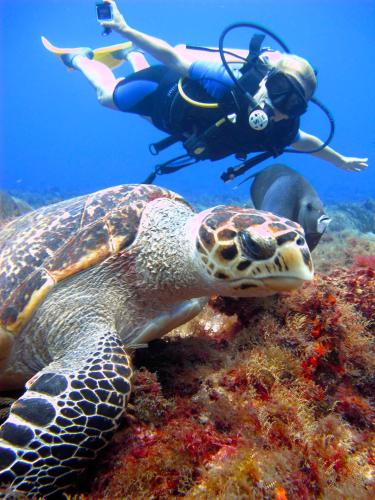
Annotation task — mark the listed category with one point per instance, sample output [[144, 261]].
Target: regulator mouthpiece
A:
[[258, 119]]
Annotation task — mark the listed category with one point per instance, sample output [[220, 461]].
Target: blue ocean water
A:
[[54, 134]]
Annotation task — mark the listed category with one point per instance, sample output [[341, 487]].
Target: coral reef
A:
[[344, 249], [356, 216], [43, 196], [12, 207], [267, 398]]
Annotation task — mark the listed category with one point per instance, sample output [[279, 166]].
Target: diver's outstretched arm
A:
[[155, 47], [307, 142]]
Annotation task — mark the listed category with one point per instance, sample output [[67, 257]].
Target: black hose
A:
[[250, 97], [330, 135]]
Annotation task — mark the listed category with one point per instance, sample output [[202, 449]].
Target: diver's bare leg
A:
[[100, 77], [137, 60]]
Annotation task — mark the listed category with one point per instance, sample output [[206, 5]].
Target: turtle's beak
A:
[[297, 268]]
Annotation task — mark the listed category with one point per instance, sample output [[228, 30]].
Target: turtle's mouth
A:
[[271, 284], [283, 284]]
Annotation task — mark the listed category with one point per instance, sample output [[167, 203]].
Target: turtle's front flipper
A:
[[70, 410], [5, 404]]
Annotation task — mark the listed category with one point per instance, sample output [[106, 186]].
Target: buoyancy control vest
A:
[[216, 133], [213, 133]]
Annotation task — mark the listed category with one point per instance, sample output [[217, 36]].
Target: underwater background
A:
[[55, 137], [269, 398]]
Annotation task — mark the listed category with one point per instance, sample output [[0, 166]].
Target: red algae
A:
[[263, 398], [364, 261]]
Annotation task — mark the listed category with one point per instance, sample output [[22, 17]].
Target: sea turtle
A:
[[83, 279]]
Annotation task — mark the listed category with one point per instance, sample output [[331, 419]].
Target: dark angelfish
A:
[[284, 192]]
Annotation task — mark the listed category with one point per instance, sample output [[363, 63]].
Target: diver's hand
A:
[[352, 164], [118, 22]]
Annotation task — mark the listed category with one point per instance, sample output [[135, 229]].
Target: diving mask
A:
[[286, 94]]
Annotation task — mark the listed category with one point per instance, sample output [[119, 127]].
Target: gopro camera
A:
[[104, 11]]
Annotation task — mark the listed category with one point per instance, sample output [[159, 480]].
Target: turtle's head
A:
[[247, 252]]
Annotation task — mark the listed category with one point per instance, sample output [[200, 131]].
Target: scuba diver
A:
[[259, 114]]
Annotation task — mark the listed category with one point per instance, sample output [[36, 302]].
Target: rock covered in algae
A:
[[355, 216], [264, 398], [11, 207]]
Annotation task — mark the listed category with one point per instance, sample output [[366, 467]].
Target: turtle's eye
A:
[[256, 250]]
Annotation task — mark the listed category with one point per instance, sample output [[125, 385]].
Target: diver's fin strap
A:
[[233, 172]]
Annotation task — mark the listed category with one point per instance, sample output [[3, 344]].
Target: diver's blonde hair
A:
[[301, 70]]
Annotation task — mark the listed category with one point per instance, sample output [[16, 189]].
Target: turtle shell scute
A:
[[57, 241]]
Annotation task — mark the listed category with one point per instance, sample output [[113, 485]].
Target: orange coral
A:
[[280, 493]]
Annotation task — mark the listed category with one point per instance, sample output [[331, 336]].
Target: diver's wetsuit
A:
[[134, 94], [151, 91]]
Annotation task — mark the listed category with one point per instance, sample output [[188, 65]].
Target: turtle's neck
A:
[[165, 251]]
